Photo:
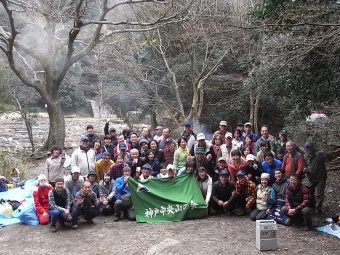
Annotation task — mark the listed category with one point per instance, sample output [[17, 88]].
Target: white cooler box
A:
[[266, 238]]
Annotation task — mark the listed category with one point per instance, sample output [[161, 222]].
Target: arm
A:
[[120, 185], [106, 128], [301, 165], [209, 191], [213, 193], [175, 163], [272, 199], [252, 199], [113, 192]]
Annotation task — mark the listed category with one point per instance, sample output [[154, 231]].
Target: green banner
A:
[[167, 199]]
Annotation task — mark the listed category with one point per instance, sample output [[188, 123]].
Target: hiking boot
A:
[[90, 221], [308, 229], [75, 226], [62, 224], [53, 228], [115, 218], [239, 211], [288, 222]]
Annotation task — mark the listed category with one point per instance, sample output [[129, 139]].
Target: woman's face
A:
[[248, 140], [218, 140], [56, 153], [202, 174], [264, 182], [153, 145], [183, 144], [97, 144], [236, 158], [246, 151], [190, 169], [151, 156], [236, 135], [120, 160], [264, 148]]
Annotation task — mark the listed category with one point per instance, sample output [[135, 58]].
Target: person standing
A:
[[54, 165], [83, 157], [315, 168]]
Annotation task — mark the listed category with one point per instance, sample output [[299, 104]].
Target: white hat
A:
[[75, 169], [230, 135], [200, 136], [168, 167], [42, 177], [223, 123], [250, 157], [247, 124], [265, 176]]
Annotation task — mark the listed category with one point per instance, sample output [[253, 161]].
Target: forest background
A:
[[268, 62]]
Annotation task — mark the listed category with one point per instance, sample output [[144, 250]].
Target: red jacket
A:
[[40, 195]]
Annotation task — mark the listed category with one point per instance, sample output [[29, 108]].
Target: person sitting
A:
[[103, 165], [221, 198], [159, 155], [244, 195], [163, 172], [152, 162], [280, 185], [92, 178], [40, 196], [59, 205], [205, 183], [146, 172], [86, 204], [270, 164], [107, 193], [190, 167], [297, 204], [116, 169], [221, 165], [265, 198], [123, 197], [73, 182], [253, 169], [236, 164], [171, 171]]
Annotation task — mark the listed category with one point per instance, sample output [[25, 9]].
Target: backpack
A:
[[3, 185]]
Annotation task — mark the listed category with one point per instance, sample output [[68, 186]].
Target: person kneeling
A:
[[59, 204], [87, 204], [265, 198], [298, 202]]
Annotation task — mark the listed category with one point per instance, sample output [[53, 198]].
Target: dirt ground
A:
[[212, 235]]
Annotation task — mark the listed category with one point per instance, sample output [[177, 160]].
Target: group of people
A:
[[238, 173]]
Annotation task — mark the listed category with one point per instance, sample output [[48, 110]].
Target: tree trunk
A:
[[256, 113], [56, 134]]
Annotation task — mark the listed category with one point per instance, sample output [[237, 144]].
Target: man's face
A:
[[223, 128], [190, 169], [289, 147], [279, 155], [294, 182], [269, 160], [241, 128], [90, 131], [127, 173], [106, 159], [228, 140], [283, 137], [202, 174], [84, 144], [201, 142], [242, 179], [145, 172], [187, 129], [159, 131], [168, 145], [278, 175], [76, 176], [121, 139], [145, 132], [151, 156], [86, 189], [163, 171], [309, 150], [133, 138], [224, 178], [59, 186], [113, 133], [120, 160], [134, 154], [166, 133], [250, 162], [107, 141], [222, 164], [145, 146], [247, 129], [264, 132], [171, 173]]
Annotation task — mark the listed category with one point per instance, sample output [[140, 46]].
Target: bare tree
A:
[[42, 39]]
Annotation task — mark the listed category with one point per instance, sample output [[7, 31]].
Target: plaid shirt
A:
[[247, 190], [297, 198]]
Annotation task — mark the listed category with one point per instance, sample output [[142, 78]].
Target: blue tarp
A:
[[18, 194], [332, 229]]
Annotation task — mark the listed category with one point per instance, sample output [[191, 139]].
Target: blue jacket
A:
[[270, 169], [121, 188]]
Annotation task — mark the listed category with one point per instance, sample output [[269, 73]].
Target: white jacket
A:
[[84, 160]]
